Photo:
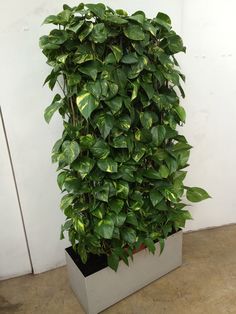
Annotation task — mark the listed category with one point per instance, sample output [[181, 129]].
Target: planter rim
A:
[[98, 262]]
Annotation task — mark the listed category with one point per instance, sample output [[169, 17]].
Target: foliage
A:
[[121, 159]]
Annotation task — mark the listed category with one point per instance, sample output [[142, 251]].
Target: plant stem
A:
[[73, 112], [61, 88]]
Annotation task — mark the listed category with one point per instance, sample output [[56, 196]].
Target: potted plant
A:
[[121, 159]]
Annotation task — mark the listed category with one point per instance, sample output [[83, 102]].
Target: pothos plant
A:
[[121, 159]]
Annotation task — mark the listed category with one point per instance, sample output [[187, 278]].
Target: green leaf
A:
[[64, 16], [181, 91], [171, 164], [150, 245], [61, 179], [83, 53], [78, 224], [90, 68], [110, 59], [128, 235], [75, 26], [135, 90], [178, 177], [105, 228], [175, 43], [86, 31], [130, 58], [56, 104], [113, 261], [124, 122], [55, 149], [70, 151], [164, 171], [105, 122], [116, 233], [140, 18], [186, 214], [62, 58], [150, 28], [132, 219], [114, 104], [74, 185], [183, 157], [160, 154], [181, 146], [136, 205], [172, 76], [122, 155], [54, 40], [155, 197], [152, 174], [137, 68], [120, 142], [102, 193], [143, 135], [107, 165], [122, 189], [82, 252], [116, 205], [181, 113], [112, 90], [162, 206], [148, 87], [165, 59], [73, 79], [118, 53], [134, 32], [99, 33], [100, 149], [127, 173], [86, 103], [195, 194], [87, 141], [114, 19], [52, 19], [98, 9], [162, 244], [171, 195], [94, 88], [52, 79], [139, 152], [67, 225], [119, 219], [146, 119], [66, 201], [158, 134], [98, 212], [84, 165], [163, 20]]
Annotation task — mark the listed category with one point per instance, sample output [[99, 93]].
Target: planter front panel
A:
[[106, 287]]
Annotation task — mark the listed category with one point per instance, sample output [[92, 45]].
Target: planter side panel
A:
[[107, 287], [77, 282]]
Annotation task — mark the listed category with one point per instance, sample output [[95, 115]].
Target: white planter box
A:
[[105, 287]]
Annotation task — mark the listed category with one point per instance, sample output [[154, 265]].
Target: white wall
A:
[[14, 259], [209, 34]]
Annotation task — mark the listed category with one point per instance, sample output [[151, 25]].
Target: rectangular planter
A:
[[101, 289]]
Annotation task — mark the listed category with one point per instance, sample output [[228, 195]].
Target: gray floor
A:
[[205, 284]]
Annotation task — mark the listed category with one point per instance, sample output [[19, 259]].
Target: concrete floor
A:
[[205, 284]]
